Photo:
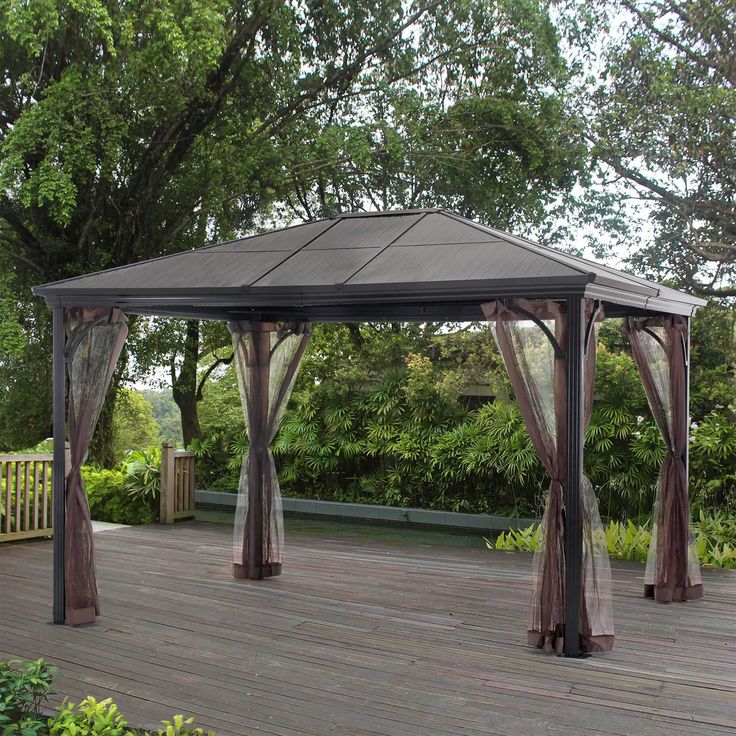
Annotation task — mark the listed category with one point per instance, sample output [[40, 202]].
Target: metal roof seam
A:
[[386, 213], [173, 255], [621, 275], [385, 248], [291, 255], [513, 239]]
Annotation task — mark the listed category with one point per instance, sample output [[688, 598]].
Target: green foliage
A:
[[12, 336], [715, 538], [659, 112], [110, 501], [142, 469], [713, 462], [25, 384], [134, 131], [166, 415], [133, 425], [24, 688], [180, 726], [409, 435], [517, 540], [90, 718], [405, 439], [627, 541]]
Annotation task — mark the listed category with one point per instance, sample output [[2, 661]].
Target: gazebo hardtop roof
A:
[[400, 264]]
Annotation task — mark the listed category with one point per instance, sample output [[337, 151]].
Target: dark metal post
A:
[[59, 472], [686, 348], [573, 514]]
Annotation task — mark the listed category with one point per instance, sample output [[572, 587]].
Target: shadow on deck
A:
[[364, 637]]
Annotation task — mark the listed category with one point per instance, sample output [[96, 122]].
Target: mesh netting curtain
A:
[[538, 376], [660, 350], [95, 339], [267, 358]]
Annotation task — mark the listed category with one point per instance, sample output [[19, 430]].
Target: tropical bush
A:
[[24, 691], [715, 539], [142, 470], [407, 436], [109, 499]]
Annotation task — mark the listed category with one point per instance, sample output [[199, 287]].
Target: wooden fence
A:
[[26, 492], [25, 496], [177, 485]]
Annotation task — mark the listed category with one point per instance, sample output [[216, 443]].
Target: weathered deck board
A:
[[362, 638]]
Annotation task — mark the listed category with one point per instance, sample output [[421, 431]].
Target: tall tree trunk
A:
[[184, 385]]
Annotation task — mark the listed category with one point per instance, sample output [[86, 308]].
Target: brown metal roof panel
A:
[[607, 274], [364, 232], [191, 269], [466, 262], [288, 239], [318, 267], [437, 228]]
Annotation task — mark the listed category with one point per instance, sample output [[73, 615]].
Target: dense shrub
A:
[[109, 499], [408, 438]]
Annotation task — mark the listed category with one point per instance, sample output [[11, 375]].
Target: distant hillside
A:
[[166, 414]]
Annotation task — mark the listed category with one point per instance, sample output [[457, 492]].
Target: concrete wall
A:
[[383, 514]]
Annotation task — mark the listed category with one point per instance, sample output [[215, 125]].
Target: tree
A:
[[485, 130], [134, 427], [166, 414], [661, 122], [127, 132]]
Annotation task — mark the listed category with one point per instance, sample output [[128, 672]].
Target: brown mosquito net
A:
[[267, 358], [95, 339], [660, 349], [539, 378]]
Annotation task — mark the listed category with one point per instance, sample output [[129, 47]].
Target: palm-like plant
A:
[[142, 469]]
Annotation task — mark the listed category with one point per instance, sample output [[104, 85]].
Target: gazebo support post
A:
[[59, 469], [686, 457], [573, 516]]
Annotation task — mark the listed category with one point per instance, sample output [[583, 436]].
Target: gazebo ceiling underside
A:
[[396, 265]]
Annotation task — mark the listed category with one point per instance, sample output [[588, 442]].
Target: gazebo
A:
[[542, 306]]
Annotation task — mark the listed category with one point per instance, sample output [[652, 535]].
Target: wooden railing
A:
[[26, 492], [177, 485], [25, 496]]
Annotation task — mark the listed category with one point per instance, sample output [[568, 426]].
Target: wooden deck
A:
[[365, 638]]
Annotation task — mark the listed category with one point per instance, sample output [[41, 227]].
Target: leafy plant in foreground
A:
[[90, 718], [24, 688]]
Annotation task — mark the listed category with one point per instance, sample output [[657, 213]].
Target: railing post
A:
[[168, 484]]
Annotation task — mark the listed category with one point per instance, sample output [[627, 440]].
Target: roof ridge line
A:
[[554, 252], [523, 242], [385, 248], [298, 250]]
